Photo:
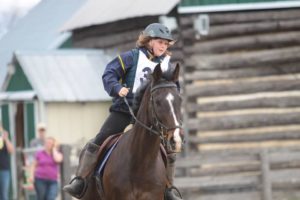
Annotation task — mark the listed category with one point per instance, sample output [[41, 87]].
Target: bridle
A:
[[157, 128], [157, 123]]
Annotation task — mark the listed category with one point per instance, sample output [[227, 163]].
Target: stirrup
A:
[[85, 186], [173, 188]]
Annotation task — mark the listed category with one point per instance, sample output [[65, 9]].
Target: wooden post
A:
[[66, 171], [266, 179], [20, 172]]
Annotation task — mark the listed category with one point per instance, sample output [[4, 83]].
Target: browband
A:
[[167, 85]]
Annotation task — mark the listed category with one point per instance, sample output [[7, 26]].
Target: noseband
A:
[[158, 128]]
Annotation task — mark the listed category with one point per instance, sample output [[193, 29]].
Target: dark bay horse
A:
[[136, 169]]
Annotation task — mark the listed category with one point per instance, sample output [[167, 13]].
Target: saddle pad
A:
[[102, 162]]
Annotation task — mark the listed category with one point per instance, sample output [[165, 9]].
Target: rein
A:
[[157, 122], [141, 123]]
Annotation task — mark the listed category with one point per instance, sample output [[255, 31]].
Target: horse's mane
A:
[[166, 76]]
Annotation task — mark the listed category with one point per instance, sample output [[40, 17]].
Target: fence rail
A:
[[265, 174]]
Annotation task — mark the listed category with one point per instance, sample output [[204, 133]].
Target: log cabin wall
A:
[[242, 80]]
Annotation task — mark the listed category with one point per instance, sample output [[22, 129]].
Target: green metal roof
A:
[[68, 75], [206, 6], [219, 2]]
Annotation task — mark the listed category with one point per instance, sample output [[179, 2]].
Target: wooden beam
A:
[[225, 195], [228, 30], [248, 147], [242, 17], [266, 180], [225, 169], [244, 119], [244, 59], [252, 27], [285, 178], [265, 15], [252, 71], [247, 138], [282, 99], [65, 169], [238, 168], [248, 42], [243, 86], [250, 131], [279, 159], [213, 183]]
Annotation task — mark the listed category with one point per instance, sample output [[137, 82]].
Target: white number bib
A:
[[145, 67]]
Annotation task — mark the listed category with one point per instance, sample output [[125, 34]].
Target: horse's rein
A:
[[141, 123], [158, 133]]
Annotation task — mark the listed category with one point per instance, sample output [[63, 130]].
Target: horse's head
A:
[[165, 107]]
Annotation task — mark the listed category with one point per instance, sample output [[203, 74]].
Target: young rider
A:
[[130, 68]]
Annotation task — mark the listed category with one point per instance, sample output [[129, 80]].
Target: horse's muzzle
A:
[[176, 140]]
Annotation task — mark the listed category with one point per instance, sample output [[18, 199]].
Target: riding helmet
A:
[[157, 30]]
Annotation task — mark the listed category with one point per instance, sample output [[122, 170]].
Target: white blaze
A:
[[177, 137]]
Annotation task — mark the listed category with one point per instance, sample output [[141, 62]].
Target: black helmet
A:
[[157, 30]]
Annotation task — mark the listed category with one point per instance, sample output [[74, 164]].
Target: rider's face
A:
[[159, 46]]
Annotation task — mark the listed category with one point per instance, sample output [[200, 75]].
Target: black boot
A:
[[87, 161], [171, 193]]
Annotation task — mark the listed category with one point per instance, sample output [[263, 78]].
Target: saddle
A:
[[105, 150]]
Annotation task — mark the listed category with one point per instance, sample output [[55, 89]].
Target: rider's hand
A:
[[5, 135], [123, 92]]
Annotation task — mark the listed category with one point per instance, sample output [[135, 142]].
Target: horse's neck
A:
[[145, 146]]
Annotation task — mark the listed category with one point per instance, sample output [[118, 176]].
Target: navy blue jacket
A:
[[114, 77]]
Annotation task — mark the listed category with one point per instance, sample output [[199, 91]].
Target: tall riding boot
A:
[[87, 162], [171, 193]]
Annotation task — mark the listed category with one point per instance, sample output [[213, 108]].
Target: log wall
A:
[[243, 77], [267, 174]]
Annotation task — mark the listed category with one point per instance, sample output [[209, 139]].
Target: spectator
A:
[[6, 148], [45, 170], [40, 140]]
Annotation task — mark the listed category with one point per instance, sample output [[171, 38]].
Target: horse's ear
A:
[[175, 75], [157, 73]]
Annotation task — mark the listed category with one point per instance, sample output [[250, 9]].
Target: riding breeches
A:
[[115, 123]]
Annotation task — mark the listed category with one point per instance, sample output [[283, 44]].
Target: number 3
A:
[[147, 71]]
